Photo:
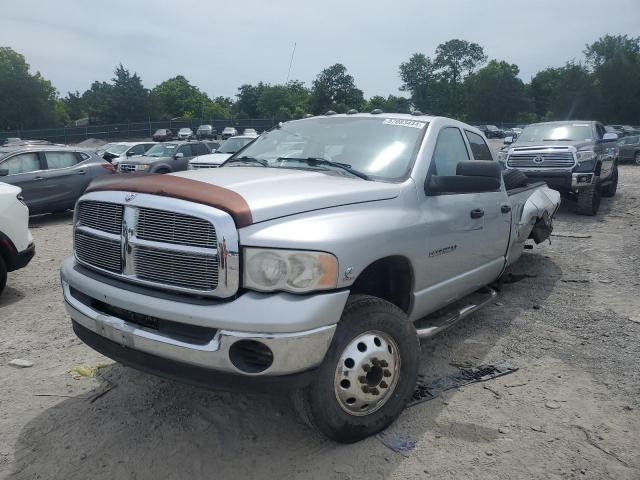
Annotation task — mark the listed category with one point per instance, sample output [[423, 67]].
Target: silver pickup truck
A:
[[314, 260]]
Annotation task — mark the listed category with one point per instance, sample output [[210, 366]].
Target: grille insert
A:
[[99, 252], [180, 269], [169, 227], [103, 216], [551, 159]]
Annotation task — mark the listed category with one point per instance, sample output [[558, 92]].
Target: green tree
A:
[[177, 98], [97, 101], [565, 93], [458, 58], [74, 105], [129, 98], [615, 65], [495, 93], [335, 89], [26, 100], [283, 102], [391, 104], [429, 92], [246, 105]]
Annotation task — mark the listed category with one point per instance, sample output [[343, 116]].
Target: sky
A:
[[219, 47]]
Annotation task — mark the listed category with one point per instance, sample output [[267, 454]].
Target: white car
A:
[[228, 148], [114, 152], [229, 132], [16, 243], [185, 134], [250, 131]]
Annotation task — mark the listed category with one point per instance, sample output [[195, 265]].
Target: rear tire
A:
[[3, 274], [611, 189], [514, 179], [368, 374], [589, 200]]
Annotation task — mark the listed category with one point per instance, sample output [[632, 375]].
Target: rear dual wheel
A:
[[368, 374]]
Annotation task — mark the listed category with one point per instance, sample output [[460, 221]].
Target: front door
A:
[[26, 170]]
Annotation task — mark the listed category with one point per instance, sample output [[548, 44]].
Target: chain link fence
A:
[[132, 130]]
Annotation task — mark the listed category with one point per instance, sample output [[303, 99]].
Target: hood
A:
[[212, 158], [274, 192], [8, 189], [577, 144], [143, 160]]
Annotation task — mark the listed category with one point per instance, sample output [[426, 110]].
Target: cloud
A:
[[218, 47]]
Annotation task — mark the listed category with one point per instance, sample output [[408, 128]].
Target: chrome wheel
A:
[[367, 373]]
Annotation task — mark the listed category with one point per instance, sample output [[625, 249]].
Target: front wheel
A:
[[589, 200], [368, 374], [611, 189]]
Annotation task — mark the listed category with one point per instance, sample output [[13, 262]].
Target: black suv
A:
[[165, 158], [491, 131], [577, 158]]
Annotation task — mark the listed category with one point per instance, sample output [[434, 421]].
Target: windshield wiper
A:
[[313, 161], [245, 159]]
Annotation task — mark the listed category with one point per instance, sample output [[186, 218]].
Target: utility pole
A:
[[291, 62]]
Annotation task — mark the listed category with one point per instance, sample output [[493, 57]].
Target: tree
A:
[[428, 92], [391, 104], [495, 93], [97, 101], [130, 100], [283, 102], [458, 58], [565, 93], [335, 89], [177, 98], [615, 66], [74, 105], [247, 104], [26, 100]]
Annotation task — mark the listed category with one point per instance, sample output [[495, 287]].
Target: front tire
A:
[[589, 200], [368, 374], [611, 189]]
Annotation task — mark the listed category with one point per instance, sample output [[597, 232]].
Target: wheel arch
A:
[[389, 278]]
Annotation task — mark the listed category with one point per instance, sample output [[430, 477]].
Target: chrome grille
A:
[[199, 272], [100, 252], [169, 227], [548, 159], [103, 216], [124, 167]]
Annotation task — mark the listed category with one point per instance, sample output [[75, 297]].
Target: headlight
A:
[[189, 167], [296, 271], [585, 155], [142, 167], [502, 156]]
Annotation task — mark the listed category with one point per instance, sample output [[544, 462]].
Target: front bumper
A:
[[21, 259], [563, 181], [297, 329]]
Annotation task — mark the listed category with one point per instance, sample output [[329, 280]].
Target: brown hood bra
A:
[[179, 187]]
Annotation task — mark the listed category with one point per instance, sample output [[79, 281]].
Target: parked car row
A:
[[203, 132]]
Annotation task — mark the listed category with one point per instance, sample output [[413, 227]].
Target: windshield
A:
[[114, 148], [378, 147], [204, 127], [185, 130], [232, 145], [162, 131], [493, 128], [162, 150], [557, 131]]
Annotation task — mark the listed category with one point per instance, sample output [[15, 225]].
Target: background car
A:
[[206, 131], [162, 135], [624, 130], [185, 134], [250, 131], [213, 146], [491, 131], [51, 177], [164, 158], [113, 152], [226, 150], [629, 149], [229, 132]]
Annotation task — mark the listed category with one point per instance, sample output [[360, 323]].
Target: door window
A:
[[199, 149], [478, 147], [56, 160], [450, 150], [185, 150], [137, 150], [22, 163]]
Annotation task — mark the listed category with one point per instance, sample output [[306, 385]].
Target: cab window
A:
[[56, 160], [450, 150], [479, 147], [185, 150], [22, 163]]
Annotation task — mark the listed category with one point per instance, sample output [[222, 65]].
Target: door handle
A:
[[477, 213], [505, 208], [81, 172], [38, 179]]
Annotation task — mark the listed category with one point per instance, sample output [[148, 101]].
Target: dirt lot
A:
[[570, 411]]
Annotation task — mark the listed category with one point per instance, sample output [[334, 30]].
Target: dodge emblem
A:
[[130, 196]]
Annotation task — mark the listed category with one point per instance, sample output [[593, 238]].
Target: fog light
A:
[[250, 356], [584, 179]]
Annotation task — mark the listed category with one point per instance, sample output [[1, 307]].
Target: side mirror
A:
[[609, 137], [508, 140], [130, 153], [4, 172], [471, 177], [178, 156]]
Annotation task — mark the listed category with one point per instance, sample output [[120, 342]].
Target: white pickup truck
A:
[[16, 243], [314, 259]]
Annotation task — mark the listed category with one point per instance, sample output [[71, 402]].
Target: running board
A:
[[429, 326]]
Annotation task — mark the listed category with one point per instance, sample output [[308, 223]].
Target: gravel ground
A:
[[572, 326]]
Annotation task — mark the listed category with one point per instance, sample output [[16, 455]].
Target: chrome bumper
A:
[[292, 352]]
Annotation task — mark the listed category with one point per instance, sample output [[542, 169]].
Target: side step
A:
[[438, 321]]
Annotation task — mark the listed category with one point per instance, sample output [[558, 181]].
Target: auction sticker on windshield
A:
[[404, 123]]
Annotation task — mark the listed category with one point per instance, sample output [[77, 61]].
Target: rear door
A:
[[66, 178], [26, 170]]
